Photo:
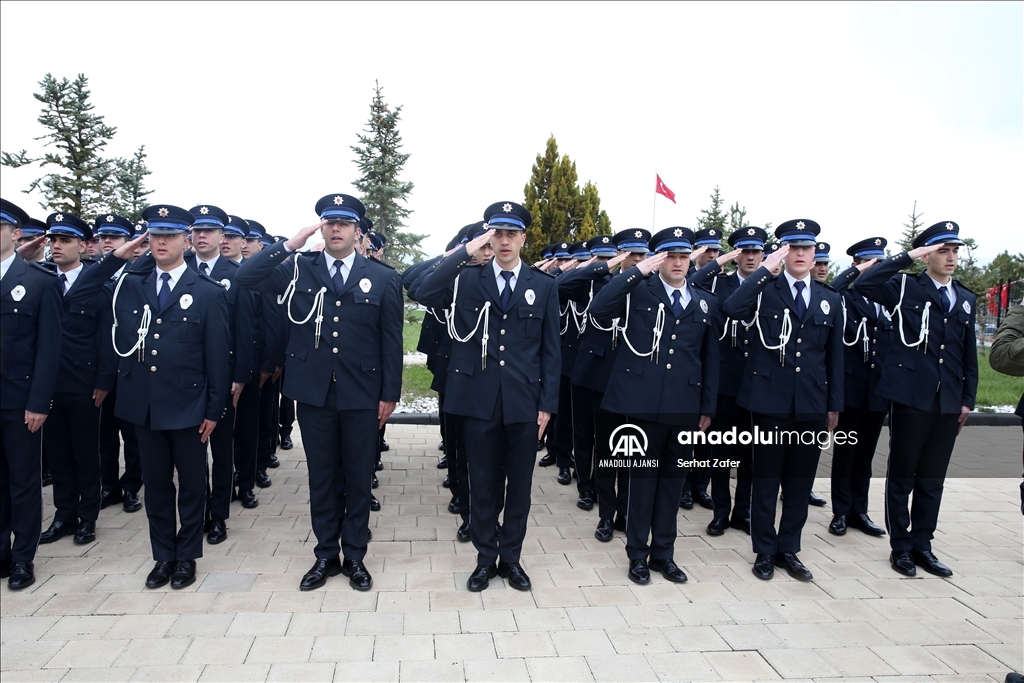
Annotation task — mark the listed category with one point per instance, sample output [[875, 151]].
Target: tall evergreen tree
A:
[[131, 190], [737, 220], [713, 217], [910, 233], [380, 161]]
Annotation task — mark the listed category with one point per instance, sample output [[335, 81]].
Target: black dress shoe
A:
[[273, 463], [248, 499], [442, 464], [108, 498], [286, 443], [463, 533], [639, 572], [358, 577], [838, 525], [604, 531], [586, 501], [717, 526], [620, 523], [262, 480], [440, 445], [447, 481], [218, 531], [384, 447], [132, 503], [5, 569], [669, 569], [454, 505], [686, 500], [540, 444], [816, 500], [903, 562], [481, 577], [373, 482], [86, 533], [160, 575], [514, 574], [22, 575], [378, 466], [792, 564], [928, 562], [374, 504], [564, 476], [317, 575], [47, 478], [184, 574], [741, 524], [864, 523], [57, 531], [703, 499], [547, 460], [763, 567]]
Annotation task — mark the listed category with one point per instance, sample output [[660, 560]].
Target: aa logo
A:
[[628, 441]]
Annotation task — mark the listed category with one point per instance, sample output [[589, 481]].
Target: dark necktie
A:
[[677, 304], [944, 297], [506, 294], [338, 280], [204, 268], [873, 312], [64, 283], [164, 294], [801, 307]]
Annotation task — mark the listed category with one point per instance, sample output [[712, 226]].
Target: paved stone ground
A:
[[89, 617]]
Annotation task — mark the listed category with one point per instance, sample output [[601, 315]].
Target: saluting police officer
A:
[[30, 343], [792, 382], [931, 377], [171, 324], [71, 442], [503, 379], [866, 340], [819, 271], [343, 367], [665, 382]]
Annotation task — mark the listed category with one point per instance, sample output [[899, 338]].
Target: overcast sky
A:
[[843, 113]]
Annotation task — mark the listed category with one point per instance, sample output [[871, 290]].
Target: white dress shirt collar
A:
[[497, 274], [175, 276], [807, 286], [684, 292], [5, 265]]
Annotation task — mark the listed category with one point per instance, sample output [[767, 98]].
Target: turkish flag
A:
[[662, 189]]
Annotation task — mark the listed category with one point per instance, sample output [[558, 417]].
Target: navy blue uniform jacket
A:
[[523, 360], [734, 344], [681, 382], [949, 363], [595, 357], [360, 343], [86, 345], [30, 337], [809, 383], [863, 375]]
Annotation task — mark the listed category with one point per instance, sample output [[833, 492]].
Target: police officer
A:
[[114, 231], [867, 337], [733, 347], [345, 391], [233, 242], [30, 343], [503, 379], [71, 442], [33, 232], [819, 271], [665, 381], [792, 382], [931, 377], [173, 374]]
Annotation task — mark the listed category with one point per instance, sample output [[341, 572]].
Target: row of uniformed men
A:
[[80, 444]]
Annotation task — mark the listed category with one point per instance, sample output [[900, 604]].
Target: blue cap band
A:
[[943, 237], [795, 236], [707, 243], [674, 244], [339, 214], [211, 221], [8, 218], [113, 230], [34, 232], [632, 244], [65, 230], [870, 253], [750, 244], [506, 220], [168, 224]]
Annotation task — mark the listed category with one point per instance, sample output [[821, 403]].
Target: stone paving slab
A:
[[89, 617]]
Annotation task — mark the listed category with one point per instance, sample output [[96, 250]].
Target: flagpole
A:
[[654, 209]]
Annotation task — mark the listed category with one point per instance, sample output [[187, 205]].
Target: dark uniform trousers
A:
[[663, 485], [71, 442], [221, 469], [247, 429], [497, 453], [920, 445], [610, 483], [164, 452], [20, 487], [341, 447], [727, 416], [562, 431], [114, 431], [851, 463], [455, 450], [583, 435], [286, 413], [269, 421]]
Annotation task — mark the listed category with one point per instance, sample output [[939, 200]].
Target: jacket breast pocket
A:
[[21, 317], [189, 329], [821, 326], [367, 307], [531, 319]]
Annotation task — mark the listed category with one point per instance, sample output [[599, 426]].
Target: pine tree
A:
[[131, 189], [380, 163], [713, 217], [737, 220], [912, 230], [84, 181]]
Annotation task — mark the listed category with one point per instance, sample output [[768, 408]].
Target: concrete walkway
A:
[[89, 617]]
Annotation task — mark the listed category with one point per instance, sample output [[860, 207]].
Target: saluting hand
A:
[[697, 252], [924, 251], [861, 267], [616, 260], [30, 247], [300, 239], [474, 246], [652, 263], [773, 261], [126, 250], [725, 258]]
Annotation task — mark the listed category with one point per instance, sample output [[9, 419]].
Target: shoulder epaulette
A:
[[48, 267], [542, 272]]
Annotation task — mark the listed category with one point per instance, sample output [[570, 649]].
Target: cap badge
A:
[[967, 307], [712, 232], [530, 297], [825, 308], [203, 210], [751, 231], [704, 305], [18, 293], [163, 212], [110, 219], [604, 240], [506, 207], [821, 247], [801, 225], [59, 218], [565, 245], [878, 242], [339, 200], [185, 301], [678, 232], [638, 234], [365, 285], [949, 226]]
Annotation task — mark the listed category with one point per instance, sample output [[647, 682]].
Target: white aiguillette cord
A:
[[318, 303], [784, 334], [659, 328], [860, 333], [143, 331], [484, 315], [925, 316]]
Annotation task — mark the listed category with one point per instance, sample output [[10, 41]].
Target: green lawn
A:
[[416, 383], [411, 329]]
